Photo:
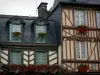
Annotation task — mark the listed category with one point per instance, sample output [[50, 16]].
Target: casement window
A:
[[40, 29], [98, 19], [15, 57], [41, 57], [93, 66], [15, 33], [80, 17], [99, 49], [81, 50]]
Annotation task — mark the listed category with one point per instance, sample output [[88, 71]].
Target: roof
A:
[[80, 2], [16, 18], [22, 17], [88, 2]]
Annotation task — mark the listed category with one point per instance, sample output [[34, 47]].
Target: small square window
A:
[[41, 57], [15, 57]]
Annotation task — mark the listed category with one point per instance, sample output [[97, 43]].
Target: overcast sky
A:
[[21, 7]]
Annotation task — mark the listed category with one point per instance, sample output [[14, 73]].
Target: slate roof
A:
[[88, 2], [22, 17]]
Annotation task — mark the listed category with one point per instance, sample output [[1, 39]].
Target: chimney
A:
[[42, 10]]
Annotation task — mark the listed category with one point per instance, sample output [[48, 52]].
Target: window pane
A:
[[16, 28], [83, 50], [41, 57], [82, 14], [15, 57], [76, 18], [98, 19], [77, 50], [82, 22]]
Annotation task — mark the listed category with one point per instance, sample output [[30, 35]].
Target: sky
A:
[[22, 7]]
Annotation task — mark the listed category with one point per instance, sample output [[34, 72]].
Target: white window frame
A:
[[36, 34], [10, 33], [16, 62], [40, 60], [97, 18], [85, 17], [80, 49]]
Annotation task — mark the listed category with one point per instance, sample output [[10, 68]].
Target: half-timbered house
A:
[[77, 48], [61, 42]]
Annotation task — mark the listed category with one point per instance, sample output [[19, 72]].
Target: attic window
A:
[[15, 32], [41, 32]]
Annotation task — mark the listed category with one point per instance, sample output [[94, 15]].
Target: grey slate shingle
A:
[[90, 2]]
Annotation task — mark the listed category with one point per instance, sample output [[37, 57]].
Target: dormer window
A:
[[15, 32], [41, 33], [15, 25], [40, 30]]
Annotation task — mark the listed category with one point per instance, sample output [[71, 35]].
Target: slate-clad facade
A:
[[24, 49]]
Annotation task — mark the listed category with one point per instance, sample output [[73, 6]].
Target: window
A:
[[93, 66], [15, 57], [81, 50], [80, 17], [98, 19], [99, 49], [40, 29], [15, 33], [41, 57]]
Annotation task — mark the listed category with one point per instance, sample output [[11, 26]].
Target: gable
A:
[[41, 21], [16, 20]]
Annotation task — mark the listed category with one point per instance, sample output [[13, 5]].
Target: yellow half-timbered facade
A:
[[75, 47], [79, 47]]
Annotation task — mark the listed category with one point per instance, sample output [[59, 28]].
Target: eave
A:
[[34, 46]]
